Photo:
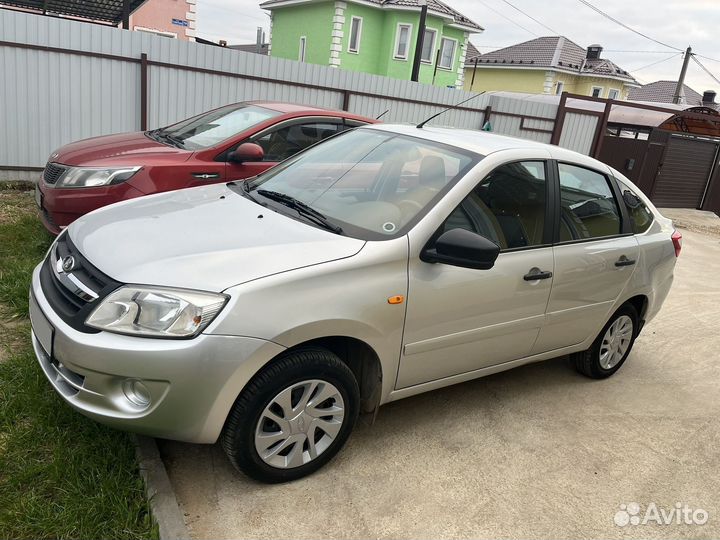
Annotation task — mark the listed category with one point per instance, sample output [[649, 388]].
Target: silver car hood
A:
[[208, 238]]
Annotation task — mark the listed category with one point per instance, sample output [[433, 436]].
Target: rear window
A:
[[640, 215]]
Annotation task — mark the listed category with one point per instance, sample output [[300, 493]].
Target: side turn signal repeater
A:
[[398, 299]]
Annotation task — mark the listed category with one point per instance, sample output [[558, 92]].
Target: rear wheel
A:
[[293, 417], [612, 346]]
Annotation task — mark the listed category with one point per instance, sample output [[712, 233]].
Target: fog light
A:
[[136, 393]]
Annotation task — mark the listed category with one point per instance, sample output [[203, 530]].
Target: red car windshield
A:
[[213, 127]]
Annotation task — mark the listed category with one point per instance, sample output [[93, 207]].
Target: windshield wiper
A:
[[161, 136], [301, 207]]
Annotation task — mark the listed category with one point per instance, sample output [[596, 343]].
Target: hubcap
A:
[[299, 424], [616, 342]]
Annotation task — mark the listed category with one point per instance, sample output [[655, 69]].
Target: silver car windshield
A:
[[213, 127], [373, 184]]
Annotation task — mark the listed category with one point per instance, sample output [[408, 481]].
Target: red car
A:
[[230, 143]]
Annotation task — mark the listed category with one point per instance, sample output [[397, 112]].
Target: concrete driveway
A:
[[538, 451]]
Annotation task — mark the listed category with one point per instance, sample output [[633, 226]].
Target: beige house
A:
[[547, 65]]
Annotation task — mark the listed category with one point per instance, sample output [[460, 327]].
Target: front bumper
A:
[[192, 383], [59, 207]]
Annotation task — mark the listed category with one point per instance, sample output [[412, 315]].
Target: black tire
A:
[[588, 362], [238, 436]]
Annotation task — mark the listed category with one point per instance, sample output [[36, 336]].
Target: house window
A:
[[402, 41], [559, 88], [447, 53], [355, 32], [303, 48], [428, 45], [597, 91], [613, 93]]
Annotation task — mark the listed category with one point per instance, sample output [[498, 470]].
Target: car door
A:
[[595, 256], [283, 141], [461, 319]]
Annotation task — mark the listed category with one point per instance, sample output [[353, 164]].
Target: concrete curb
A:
[[163, 502]]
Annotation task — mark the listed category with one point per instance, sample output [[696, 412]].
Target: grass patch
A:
[[61, 474]]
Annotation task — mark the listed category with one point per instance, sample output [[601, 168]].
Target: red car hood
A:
[[116, 149]]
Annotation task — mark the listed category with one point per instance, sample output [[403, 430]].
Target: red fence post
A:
[[559, 120], [143, 91]]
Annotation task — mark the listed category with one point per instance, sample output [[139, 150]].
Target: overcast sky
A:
[[677, 23]]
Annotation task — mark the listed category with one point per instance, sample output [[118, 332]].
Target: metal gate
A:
[[687, 166]]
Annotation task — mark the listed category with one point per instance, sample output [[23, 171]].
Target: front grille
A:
[[52, 172], [73, 291]]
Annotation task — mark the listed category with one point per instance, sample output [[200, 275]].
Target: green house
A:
[[372, 36]]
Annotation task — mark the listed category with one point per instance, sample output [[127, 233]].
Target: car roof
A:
[[299, 109], [479, 142], [484, 143]]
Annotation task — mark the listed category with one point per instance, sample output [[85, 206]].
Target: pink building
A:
[[170, 18]]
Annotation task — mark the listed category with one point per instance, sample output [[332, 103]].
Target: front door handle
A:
[[624, 261], [535, 274], [206, 176]]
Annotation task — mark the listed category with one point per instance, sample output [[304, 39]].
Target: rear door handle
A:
[[624, 261], [535, 274]]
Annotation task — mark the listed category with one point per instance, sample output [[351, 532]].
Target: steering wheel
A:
[[409, 207]]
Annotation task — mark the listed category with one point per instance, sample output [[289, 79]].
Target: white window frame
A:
[[617, 93], [400, 25], [356, 50], [302, 48], [156, 32], [432, 46], [559, 88], [455, 46], [600, 94]]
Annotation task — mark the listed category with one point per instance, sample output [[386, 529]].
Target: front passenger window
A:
[[588, 208], [507, 207], [285, 142]]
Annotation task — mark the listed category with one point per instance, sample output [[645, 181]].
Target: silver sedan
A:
[[384, 262]]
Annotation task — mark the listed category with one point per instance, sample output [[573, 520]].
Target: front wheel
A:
[[612, 346], [293, 417]]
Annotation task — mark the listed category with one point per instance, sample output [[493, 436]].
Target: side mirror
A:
[[460, 247], [247, 152]]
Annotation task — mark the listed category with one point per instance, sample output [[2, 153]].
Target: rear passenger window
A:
[[507, 207], [640, 216], [588, 208]]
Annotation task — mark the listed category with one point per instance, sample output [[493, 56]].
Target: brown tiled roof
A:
[[433, 5], [471, 53], [551, 52], [663, 92]]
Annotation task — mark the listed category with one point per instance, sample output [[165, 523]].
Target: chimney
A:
[[708, 97], [593, 52]]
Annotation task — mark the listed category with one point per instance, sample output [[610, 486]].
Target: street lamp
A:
[[419, 42]]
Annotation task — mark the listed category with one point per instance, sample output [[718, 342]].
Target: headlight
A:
[[156, 312], [78, 177]]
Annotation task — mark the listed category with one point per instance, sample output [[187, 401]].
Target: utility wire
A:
[[508, 18], [635, 52], [531, 17], [706, 70], [613, 19], [706, 57], [655, 63]]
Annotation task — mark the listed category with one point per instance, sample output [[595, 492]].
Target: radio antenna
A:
[[382, 114], [421, 124]]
